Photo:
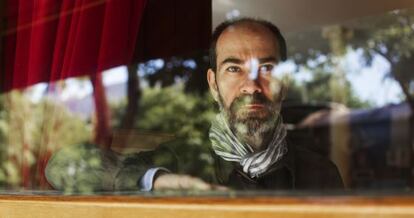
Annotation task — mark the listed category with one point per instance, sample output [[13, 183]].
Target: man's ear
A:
[[211, 79]]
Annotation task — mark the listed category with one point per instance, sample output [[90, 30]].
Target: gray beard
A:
[[252, 130]]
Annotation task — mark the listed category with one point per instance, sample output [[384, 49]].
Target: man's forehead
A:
[[246, 53], [246, 41]]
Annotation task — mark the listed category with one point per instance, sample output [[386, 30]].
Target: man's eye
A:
[[233, 69], [266, 68]]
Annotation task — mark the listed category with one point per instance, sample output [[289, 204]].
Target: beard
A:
[[252, 126]]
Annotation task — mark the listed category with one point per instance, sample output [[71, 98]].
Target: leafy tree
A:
[[190, 69], [318, 89], [391, 36], [395, 42], [187, 117], [31, 133]]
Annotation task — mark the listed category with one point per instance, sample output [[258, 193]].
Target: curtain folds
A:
[[48, 40]]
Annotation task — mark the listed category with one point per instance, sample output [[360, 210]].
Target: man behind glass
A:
[[248, 136]]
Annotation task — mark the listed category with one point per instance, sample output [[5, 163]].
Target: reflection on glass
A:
[[347, 93]]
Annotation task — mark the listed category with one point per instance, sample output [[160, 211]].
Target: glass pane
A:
[[92, 102]]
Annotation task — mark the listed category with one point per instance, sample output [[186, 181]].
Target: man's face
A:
[[243, 82]]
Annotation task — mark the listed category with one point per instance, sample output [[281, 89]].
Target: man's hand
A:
[[183, 182]]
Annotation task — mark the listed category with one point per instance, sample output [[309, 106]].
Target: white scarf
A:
[[226, 145]]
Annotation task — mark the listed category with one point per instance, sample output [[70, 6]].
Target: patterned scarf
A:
[[226, 145]]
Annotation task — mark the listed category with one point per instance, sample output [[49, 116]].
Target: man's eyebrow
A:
[[234, 60], [268, 59], [231, 60]]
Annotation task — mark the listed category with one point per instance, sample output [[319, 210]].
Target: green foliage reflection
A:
[[188, 117], [29, 133]]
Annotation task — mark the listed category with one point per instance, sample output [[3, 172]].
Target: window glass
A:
[[92, 102]]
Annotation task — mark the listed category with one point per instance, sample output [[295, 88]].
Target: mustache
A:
[[255, 98]]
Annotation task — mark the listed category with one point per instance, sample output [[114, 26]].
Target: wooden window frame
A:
[[157, 207]]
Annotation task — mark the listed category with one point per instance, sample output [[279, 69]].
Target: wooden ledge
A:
[[260, 207]]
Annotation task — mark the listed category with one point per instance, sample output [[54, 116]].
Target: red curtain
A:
[[47, 40]]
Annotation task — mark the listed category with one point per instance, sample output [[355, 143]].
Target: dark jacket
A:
[[300, 169]]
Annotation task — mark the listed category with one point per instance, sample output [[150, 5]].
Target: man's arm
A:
[[82, 168], [155, 177], [86, 168]]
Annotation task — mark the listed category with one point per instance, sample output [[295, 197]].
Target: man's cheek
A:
[[229, 100], [275, 90]]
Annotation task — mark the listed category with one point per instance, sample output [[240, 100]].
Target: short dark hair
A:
[[223, 26]]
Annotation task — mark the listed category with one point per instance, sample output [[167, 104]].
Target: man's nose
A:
[[251, 86]]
